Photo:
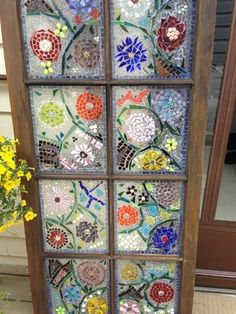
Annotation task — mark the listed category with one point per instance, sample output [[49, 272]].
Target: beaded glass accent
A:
[[152, 39], [69, 126], [148, 217], [150, 129], [74, 215], [146, 287], [77, 286], [63, 38]]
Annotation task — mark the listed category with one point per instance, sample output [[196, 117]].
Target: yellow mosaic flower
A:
[[130, 272], [97, 305], [60, 29], [28, 176], [48, 67], [164, 215], [150, 220], [171, 144], [153, 160], [30, 216], [172, 267]]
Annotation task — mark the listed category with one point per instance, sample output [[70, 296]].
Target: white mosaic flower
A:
[[135, 8], [83, 154], [131, 242], [57, 201], [140, 127]]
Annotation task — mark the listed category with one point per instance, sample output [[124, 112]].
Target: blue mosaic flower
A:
[[131, 54], [164, 239], [82, 7], [71, 294]]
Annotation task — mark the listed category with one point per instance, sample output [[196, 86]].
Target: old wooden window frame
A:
[[18, 88]]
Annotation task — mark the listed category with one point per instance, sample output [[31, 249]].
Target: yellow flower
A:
[[2, 140], [30, 215], [8, 175], [153, 160], [130, 272], [97, 305], [48, 67], [2, 169], [20, 173], [23, 203], [171, 144], [11, 164], [14, 215], [150, 220], [4, 148], [28, 176], [164, 215], [59, 31]]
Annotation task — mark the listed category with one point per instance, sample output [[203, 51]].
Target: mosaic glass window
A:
[[148, 216], [147, 287], [69, 126], [150, 127], [63, 38], [74, 215], [78, 286], [152, 39]]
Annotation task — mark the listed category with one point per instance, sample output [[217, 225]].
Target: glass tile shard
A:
[[150, 128], [147, 287], [69, 127], [63, 38], [152, 39], [77, 286], [74, 215], [148, 217]]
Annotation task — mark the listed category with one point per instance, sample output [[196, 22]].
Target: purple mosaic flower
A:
[[131, 54], [164, 239], [82, 7], [87, 232]]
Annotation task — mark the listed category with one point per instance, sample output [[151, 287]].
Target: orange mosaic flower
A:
[[89, 106], [127, 215]]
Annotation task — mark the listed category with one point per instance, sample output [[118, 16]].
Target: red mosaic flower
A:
[[161, 292], [46, 45], [89, 106], [95, 14], [56, 238], [171, 34], [127, 215]]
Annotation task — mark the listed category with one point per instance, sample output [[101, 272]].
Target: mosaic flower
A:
[[51, 114], [129, 307], [161, 292], [37, 6], [167, 192], [71, 294], [92, 273], [131, 54], [89, 106], [60, 310], [170, 107], [171, 34], [82, 7], [87, 232], [57, 200], [127, 215], [48, 153], [60, 30], [131, 190], [87, 53], [97, 305], [130, 272], [143, 198], [135, 8], [153, 160], [140, 127], [164, 239], [47, 66], [171, 144], [56, 238], [46, 45], [83, 154]]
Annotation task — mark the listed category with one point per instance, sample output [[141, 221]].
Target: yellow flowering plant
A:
[[13, 173]]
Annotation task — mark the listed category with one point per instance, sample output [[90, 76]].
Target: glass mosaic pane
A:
[[77, 286], [74, 215], [152, 39], [69, 126], [148, 216], [63, 38], [147, 287], [150, 129]]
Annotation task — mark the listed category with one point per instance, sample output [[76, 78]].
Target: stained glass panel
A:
[[69, 126], [77, 286], [150, 127], [152, 39], [147, 287], [63, 38], [74, 215], [148, 216]]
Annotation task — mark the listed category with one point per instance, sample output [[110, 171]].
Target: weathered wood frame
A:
[[18, 87]]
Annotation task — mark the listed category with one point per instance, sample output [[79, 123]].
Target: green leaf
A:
[[44, 133], [124, 28], [38, 93], [172, 130], [69, 57], [55, 92]]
